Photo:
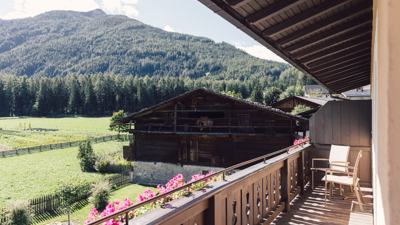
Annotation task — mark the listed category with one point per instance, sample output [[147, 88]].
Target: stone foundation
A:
[[154, 173]]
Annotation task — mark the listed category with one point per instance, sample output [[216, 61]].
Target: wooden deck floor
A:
[[311, 209]]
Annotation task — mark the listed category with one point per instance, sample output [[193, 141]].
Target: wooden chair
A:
[[338, 160], [350, 180]]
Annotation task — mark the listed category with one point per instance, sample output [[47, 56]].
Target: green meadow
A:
[[32, 175], [33, 131]]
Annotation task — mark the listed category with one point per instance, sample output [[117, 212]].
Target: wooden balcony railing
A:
[[253, 195]]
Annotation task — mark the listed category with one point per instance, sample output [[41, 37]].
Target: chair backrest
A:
[[339, 153], [356, 165]]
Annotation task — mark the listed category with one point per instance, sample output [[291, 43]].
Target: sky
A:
[[183, 16]]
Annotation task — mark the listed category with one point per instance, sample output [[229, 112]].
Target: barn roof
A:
[[145, 111], [316, 101], [328, 39]]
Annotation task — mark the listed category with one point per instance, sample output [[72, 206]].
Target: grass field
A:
[[79, 216], [32, 175], [33, 131]]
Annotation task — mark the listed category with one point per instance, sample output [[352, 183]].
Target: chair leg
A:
[[312, 180], [358, 195], [326, 190]]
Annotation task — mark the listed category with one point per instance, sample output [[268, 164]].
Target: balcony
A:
[[271, 189]]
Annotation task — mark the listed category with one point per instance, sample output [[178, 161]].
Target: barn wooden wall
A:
[[344, 123]]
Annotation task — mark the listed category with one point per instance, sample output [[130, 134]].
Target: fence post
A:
[[301, 172], [285, 183]]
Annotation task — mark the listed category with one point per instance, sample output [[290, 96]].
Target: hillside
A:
[[66, 42]]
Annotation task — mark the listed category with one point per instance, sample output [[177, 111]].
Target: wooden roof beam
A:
[[353, 77], [347, 14], [343, 67], [337, 52], [335, 60], [362, 23], [331, 49], [345, 85], [302, 17], [343, 88], [342, 63], [237, 3], [270, 10], [332, 42], [355, 69]]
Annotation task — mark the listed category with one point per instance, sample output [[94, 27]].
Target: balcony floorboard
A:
[[311, 209]]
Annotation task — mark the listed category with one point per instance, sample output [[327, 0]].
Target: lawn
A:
[[33, 131], [32, 175], [79, 216]]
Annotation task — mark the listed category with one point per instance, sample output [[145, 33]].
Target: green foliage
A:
[[116, 125], [93, 42], [19, 213], [257, 95], [100, 195], [299, 109], [86, 157], [70, 193], [271, 95], [102, 164], [233, 94]]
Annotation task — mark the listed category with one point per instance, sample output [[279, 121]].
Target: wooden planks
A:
[[342, 123]]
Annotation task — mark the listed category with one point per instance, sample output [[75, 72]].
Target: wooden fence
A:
[[41, 148], [52, 202]]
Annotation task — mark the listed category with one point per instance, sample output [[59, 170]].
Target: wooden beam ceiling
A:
[[328, 39], [302, 17], [270, 10]]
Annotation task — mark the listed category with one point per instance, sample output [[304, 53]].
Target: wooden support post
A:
[[285, 183], [301, 168]]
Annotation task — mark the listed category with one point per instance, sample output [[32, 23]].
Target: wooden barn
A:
[[205, 128], [289, 103]]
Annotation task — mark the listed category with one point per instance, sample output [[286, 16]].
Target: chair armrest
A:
[[320, 159], [341, 162]]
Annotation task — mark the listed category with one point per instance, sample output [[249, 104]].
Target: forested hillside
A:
[[65, 62], [66, 42]]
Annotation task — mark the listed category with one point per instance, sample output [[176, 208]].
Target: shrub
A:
[[19, 213], [100, 195], [102, 164], [73, 192], [111, 163], [86, 156]]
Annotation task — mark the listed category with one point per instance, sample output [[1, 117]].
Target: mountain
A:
[[67, 42]]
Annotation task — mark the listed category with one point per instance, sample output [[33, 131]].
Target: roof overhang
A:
[[330, 40]]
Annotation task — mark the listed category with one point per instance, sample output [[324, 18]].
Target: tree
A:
[[257, 95], [116, 124], [86, 157], [271, 96]]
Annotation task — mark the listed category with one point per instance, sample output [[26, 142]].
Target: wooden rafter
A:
[[354, 77], [267, 12], [302, 17], [364, 23], [307, 57], [341, 63], [322, 41], [345, 65], [332, 61], [345, 15], [355, 69], [338, 54]]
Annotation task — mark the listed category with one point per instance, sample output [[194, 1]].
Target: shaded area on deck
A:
[[311, 209]]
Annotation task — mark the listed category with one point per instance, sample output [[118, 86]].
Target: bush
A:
[[111, 163], [102, 164], [86, 157], [73, 192], [19, 213], [100, 195]]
